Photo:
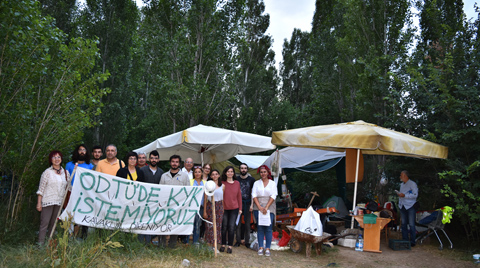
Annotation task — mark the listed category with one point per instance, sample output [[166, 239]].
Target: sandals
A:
[[229, 250]]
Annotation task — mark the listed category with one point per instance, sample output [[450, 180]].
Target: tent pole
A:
[[355, 190], [214, 227]]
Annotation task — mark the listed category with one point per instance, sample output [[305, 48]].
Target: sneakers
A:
[[267, 252], [260, 251]]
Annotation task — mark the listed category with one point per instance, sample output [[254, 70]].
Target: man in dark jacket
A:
[[246, 186], [151, 172]]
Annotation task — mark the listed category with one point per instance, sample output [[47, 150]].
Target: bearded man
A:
[[80, 157]]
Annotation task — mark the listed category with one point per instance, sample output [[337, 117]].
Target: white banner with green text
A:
[[108, 202]]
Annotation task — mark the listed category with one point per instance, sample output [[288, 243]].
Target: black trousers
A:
[[228, 226]]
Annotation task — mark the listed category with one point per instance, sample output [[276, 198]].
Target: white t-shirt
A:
[[260, 190]]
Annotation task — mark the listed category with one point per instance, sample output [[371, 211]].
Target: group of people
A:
[[233, 196]]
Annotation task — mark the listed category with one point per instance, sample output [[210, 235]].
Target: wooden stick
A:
[[214, 226], [64, 197], [311, 200]]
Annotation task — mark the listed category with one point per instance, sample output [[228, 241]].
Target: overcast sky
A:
[[285, 15]]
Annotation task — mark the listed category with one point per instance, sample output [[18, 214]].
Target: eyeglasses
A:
[[197, 167], [132, 158], [188, 162], [56, 157], [82, 150]]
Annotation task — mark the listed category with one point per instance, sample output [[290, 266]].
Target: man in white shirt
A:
[[407, 198], [187, 167]]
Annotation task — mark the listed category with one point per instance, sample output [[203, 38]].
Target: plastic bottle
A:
[[359, 243]]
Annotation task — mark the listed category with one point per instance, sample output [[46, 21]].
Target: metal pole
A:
[[214, 226], [355, 189]]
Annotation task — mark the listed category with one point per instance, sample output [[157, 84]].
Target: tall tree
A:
[[253, 75], [444, 96], [295, 72], [184, 50], [114, 23], [48, 96], [63, 12]]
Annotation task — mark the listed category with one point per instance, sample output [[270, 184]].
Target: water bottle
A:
[[359, 243]]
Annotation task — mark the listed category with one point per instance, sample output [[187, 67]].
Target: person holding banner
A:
[[111, 164], [264, 193], [173, 177], [208, 211], [232, 204], [131, 171], [50, 194], [81, 158]]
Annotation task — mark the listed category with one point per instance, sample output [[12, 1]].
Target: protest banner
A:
[[103, 201]]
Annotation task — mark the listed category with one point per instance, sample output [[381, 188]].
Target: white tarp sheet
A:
[[290, 157]]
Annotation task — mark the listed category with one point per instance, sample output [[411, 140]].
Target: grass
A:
[[100, 248]]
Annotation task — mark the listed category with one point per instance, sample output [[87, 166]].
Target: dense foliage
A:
[[107, 71]]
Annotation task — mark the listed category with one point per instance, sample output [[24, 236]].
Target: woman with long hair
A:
[[206, 177], [197, 181], [264, 193], [232, 204], [206, 172], [51, 193], [208, 211]]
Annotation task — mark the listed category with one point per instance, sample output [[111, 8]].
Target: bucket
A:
[[476, 258]]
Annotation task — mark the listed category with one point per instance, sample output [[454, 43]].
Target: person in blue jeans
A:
[[197, 181], [407, 198], [264, 193]]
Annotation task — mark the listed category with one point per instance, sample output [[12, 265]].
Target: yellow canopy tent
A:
[[363, 137]]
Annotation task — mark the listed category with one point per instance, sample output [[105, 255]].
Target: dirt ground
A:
[[423, 255]]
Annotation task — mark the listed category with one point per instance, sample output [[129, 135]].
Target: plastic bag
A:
[[310, 223], [285, 239], [275, 237], [254, 244]]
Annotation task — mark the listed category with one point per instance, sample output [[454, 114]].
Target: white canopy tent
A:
[[205, 144]]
